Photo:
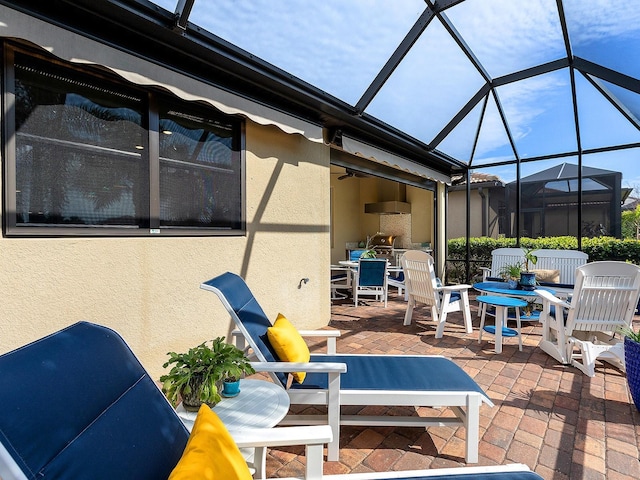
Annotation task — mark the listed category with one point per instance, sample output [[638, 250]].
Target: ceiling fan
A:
[[352, 173]]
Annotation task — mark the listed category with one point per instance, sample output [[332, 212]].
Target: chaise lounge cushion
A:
[[386, 372], [211, 453], [120, 426]]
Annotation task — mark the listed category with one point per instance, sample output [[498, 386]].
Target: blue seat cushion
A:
[[394, 372], [455, 296]]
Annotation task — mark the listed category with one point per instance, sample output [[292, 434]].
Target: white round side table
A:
[[260, 404]]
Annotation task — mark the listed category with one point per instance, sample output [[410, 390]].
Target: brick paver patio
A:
[[558, 421]]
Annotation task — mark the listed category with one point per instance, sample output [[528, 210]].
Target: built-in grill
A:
[[383, 246]]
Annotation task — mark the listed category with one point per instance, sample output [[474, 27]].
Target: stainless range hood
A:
[[392, 207], [393, 201]]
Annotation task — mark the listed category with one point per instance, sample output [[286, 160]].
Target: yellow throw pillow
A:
[[551, 276], [288, 344], [210, 453]]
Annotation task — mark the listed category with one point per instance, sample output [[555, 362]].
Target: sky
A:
[[340, 46]]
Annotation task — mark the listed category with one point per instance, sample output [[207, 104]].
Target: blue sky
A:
[[339, 46]]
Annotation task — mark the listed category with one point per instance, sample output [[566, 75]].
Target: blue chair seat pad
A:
[[394, 372]]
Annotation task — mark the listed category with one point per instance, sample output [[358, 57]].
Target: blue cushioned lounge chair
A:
[[339, 380]]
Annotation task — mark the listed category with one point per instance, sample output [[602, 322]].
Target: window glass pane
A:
[[200, 171], [79, 150]]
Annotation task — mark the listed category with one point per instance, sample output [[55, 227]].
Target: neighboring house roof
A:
[[564, 171], [478, 180], [631, 203]]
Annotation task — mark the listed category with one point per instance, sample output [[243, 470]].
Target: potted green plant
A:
[[511, 274], [369, 251], [527, 277], [632, 363], [197, 376]]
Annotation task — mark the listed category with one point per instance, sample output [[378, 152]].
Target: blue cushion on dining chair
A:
[[455, 296]]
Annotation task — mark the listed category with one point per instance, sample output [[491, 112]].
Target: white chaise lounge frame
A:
[[464, 404]]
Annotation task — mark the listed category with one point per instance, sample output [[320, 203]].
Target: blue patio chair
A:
[[371, 280], [339, 380]]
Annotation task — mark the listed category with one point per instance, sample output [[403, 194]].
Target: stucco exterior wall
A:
[[147, 289]]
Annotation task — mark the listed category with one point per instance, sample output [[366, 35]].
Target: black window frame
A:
[[153, 99]]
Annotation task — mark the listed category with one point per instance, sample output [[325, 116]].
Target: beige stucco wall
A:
[[457, 215], [147, 289]]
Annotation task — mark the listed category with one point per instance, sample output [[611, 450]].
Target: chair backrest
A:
[[565, 261], [78, 404], [501, 257], [420, 277], [605, 296], [247, 314], [372, 272]]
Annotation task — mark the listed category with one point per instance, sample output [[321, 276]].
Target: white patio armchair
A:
[[584, 329], [424, 287]]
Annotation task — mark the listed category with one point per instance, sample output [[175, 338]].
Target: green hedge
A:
[[598, 248]]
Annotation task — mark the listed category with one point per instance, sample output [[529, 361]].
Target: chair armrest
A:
[[455, 288], [283, 436], [285, 367], [548, 297], [486, 271], [330, 335]]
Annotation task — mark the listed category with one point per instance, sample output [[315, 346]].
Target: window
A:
[[93, 156]]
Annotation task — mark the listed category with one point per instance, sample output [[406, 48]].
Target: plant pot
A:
[[192, 402], [231, 389], [512, 284], [632, 366], [528, 280]]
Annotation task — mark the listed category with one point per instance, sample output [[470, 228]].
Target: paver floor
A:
[[555, 419]]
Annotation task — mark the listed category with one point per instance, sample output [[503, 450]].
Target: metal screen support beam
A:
[[395, 59], [183, 10]]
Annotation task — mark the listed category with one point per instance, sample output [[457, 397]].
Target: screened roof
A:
[[482, 81], [451, 84]]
